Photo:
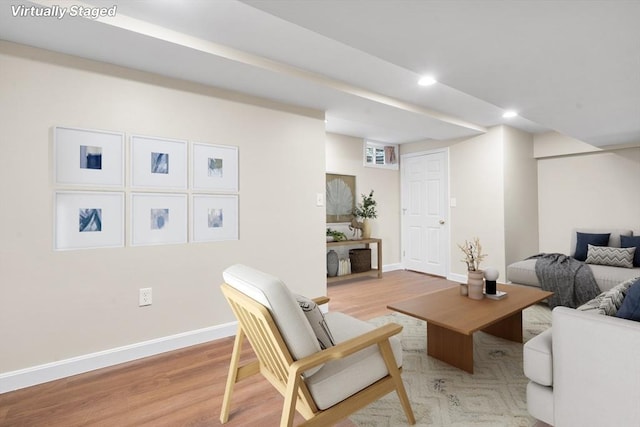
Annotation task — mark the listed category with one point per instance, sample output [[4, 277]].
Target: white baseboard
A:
[[27, 377], [392, 267], [22, 378]]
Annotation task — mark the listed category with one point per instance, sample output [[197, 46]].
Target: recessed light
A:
[[427, 81], [509, 114]]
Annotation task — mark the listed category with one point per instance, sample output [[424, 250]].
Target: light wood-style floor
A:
[[185, 387]]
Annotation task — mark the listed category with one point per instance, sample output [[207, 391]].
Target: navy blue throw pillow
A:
[[632, 242], [630, 308], [586, 239]]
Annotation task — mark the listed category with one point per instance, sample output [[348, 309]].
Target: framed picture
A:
[[215, 217], [158, 162], [215, 167], [88, 220], [158, 219], [88, 157], [341, 201]]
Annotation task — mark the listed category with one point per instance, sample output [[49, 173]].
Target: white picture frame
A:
[[88, 157], [158, 219], [87, 220], [214, 217], [158, 163], [214, 167]]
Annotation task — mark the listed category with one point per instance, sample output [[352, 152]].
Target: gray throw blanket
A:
[[570, 280]]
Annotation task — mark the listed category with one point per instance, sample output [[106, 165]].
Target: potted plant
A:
[[335, 236], [473, 256], [366, 210]]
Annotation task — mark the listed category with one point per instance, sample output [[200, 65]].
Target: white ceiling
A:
[[568, 66]]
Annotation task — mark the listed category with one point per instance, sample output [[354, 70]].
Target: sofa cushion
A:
[[317, 321], [354, 372], [540, 402], [614, 257], [608, 302], [632, 242], [586, 239], [609, 277], [630, 308], [523, 273], [614, 236]]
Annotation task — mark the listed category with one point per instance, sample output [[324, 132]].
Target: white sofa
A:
[[585, 371], [524, 272]]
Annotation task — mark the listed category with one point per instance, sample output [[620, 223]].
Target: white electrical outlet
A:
[[145, 297]]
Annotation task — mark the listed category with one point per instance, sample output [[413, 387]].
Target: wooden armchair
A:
[[324, 386]]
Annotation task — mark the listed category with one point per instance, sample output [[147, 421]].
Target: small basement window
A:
[[380, 155]]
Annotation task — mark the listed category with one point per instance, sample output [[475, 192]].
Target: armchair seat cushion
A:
[[339, 379]]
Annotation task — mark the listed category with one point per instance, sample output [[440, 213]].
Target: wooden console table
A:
[[366, 243]]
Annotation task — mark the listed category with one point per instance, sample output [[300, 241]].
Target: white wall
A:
[[556, 144], [344, 156], [520, 196], [493, 179], [57, 305], [593, 190], [477, 184], [550, 184]]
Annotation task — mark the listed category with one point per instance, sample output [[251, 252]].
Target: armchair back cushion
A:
[[271, 292]]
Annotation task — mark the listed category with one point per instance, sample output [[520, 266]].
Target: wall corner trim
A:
[[22, 378]]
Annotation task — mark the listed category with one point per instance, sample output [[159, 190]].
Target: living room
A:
[[65, 312]]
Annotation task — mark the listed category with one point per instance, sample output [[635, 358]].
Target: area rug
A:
[[442, 395]]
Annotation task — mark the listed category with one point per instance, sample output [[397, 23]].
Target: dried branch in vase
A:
[[473, 254]]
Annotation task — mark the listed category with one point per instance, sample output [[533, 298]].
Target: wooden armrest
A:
[[346, 348], [320, 300]]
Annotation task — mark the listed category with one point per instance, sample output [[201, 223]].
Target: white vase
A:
[[475, 281]]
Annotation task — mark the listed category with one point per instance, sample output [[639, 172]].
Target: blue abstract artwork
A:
[[215, 167], [215, 218], [159, 218], [160, 163], [90, 157], [90, 220]]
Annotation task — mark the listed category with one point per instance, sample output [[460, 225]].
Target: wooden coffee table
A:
[[452, 319]]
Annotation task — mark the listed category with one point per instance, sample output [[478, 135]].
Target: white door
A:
[[425, 228]]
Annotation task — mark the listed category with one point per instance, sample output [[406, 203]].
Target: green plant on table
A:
[[337, 235], [367, 208]]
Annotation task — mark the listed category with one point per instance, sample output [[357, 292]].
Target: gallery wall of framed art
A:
[[160, 191]]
